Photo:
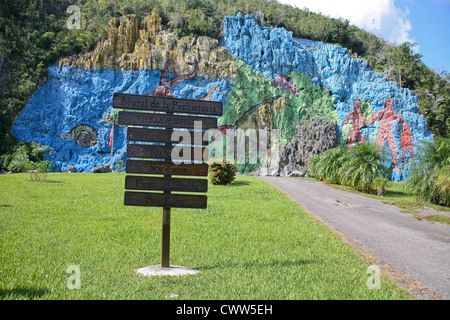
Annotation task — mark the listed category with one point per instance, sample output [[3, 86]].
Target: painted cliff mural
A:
[[264, 77]]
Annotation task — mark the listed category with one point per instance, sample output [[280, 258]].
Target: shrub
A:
[[24, 152], [222, 172], [429, 179], [381, 184], [359, 167], [325, 166], [39, 170], [363, 170]]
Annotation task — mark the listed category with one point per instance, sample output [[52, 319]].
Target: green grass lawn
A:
[[252, 242]]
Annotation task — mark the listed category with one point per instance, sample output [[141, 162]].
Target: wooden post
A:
[[165, 242], [165, 237]]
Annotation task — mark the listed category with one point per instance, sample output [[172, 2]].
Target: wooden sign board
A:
[[164, 136], [166, 168], [165, 200], [165, 184], [162, 152], [159, 112], [166, 104], [164, 120]]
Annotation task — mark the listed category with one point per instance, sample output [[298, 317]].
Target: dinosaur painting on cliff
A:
[[164, 89]]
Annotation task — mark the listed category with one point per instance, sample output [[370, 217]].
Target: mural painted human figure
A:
[[358, 120], [164, 89], [405, 142], [386, 117]]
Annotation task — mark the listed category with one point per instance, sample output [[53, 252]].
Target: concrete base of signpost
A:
[[157, 270]]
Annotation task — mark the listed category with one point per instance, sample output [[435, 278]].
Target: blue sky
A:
[[426, 22]]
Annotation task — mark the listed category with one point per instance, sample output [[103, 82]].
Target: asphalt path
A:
[[414, 252]]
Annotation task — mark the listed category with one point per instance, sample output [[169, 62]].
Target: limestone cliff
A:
[[134, 44], [265, 78]]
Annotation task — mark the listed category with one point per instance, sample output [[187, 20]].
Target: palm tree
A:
[[429, 179], [364, 167]]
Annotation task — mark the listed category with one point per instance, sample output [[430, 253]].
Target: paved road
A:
[[413, 247]]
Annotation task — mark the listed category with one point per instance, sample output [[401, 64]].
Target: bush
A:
[[359, 167], [364, 170], [222, 172], [38, 171], [325, 166], [18, 160], [430, 175]]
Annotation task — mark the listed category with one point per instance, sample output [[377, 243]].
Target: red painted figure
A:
[[358, 120], [405, 142], [386, 117]]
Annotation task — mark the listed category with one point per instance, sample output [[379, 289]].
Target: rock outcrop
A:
[[134, 44], [314, 137]]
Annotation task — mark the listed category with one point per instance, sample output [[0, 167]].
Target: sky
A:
[[425, 22]]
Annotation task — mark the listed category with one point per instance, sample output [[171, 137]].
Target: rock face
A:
[[134, 44], [73, 96], [265, 78], [313, 137]]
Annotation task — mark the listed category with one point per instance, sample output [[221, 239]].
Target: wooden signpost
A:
[[159, 112]]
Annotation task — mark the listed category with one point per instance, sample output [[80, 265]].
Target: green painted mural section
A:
[[254, 102], [249, 89]]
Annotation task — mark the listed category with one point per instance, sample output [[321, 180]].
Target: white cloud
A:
[[380, 17]]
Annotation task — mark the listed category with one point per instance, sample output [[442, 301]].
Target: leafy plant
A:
[[430, 175], [381, 184], [222, 172], [24, 152], [359, 167], [363, 167], [326, 165], [39, 170]]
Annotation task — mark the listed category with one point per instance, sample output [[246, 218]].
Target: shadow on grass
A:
[[27, 293], [240, 183], [278, 264], [5, 206], [46, 181], [397, 194]]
